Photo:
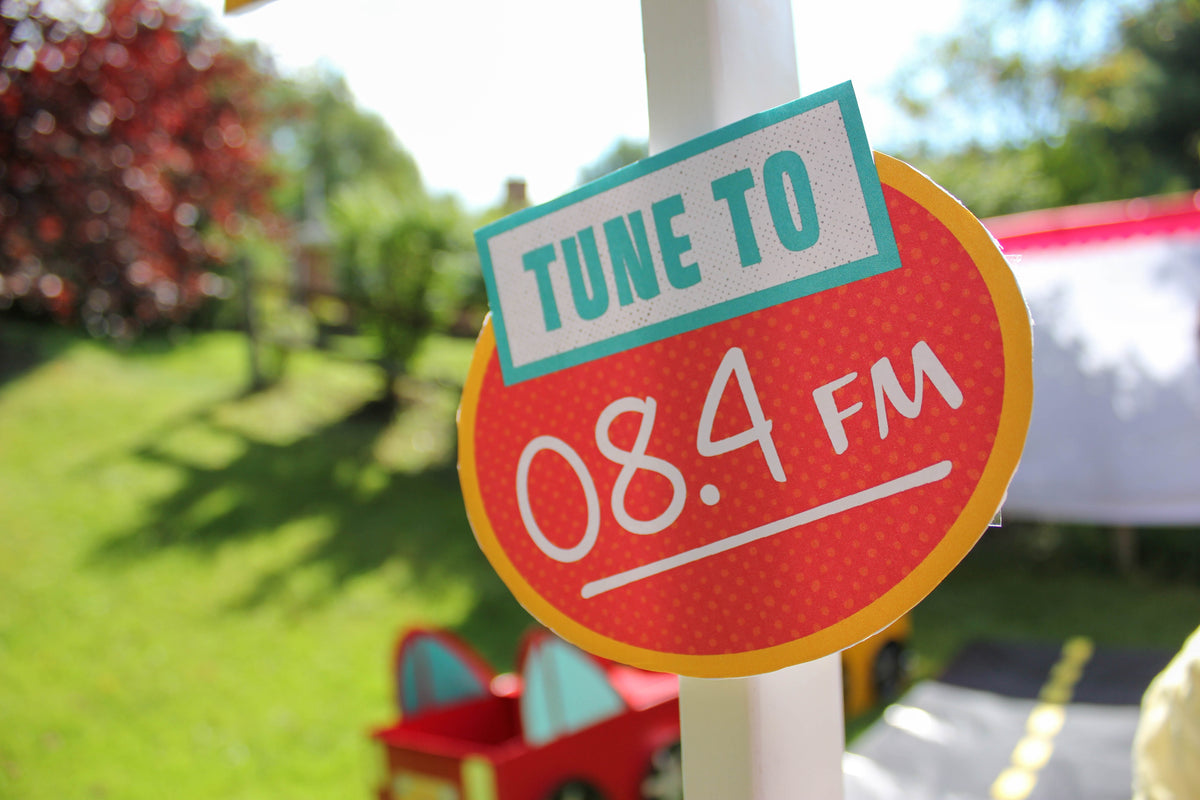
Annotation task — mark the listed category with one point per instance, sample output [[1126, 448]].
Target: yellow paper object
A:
[[1166, 748], [238, 6]]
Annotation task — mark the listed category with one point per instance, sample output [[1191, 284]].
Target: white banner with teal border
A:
[[780, 205]]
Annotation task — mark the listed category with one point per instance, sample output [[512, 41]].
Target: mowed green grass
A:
[[200, 588], [1015, 586]]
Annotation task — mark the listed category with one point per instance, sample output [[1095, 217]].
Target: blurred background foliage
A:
[[1032, 104], [198, 584], [132, 165], [161, 176], [1043, 103], [238, 197]]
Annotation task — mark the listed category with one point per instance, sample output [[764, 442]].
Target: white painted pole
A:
[[712, 62], [778, 736]]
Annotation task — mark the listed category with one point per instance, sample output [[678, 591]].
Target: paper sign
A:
[[777, 206], [239, 6], [772, 486]]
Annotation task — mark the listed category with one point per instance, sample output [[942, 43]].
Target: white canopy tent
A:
[[1114, 293]]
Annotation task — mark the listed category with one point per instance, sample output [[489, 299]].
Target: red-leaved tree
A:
[[130, 161]]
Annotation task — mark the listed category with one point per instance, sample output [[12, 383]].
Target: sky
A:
[[480, 91]]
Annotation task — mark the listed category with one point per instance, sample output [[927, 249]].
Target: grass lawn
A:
[[1009, 587], [200, 588]]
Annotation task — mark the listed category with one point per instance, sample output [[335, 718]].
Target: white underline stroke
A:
[[930, 474]]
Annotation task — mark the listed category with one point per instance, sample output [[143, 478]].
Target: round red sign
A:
[[772, 488]]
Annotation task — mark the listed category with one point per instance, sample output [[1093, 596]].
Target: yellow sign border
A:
[[1016, 339]]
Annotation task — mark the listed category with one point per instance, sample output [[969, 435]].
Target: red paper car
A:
[[572, 726]]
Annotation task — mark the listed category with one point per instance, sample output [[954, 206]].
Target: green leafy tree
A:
[[130, 162], [322, 142], [394, 251], [400, 260], [622, 153], [1038, 103], [325, 141], [1161, 115]]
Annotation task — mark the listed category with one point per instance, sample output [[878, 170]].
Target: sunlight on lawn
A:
[[199, 590]]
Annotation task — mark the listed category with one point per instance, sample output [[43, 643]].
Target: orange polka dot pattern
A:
[[799, 582]]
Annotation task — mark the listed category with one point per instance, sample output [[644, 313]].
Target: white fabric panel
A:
[[1115, 433]]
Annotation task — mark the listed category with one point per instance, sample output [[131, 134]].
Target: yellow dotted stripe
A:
[[1033, 751]]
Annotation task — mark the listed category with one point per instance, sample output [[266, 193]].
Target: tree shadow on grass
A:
[[366, 518], [25, 346]]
